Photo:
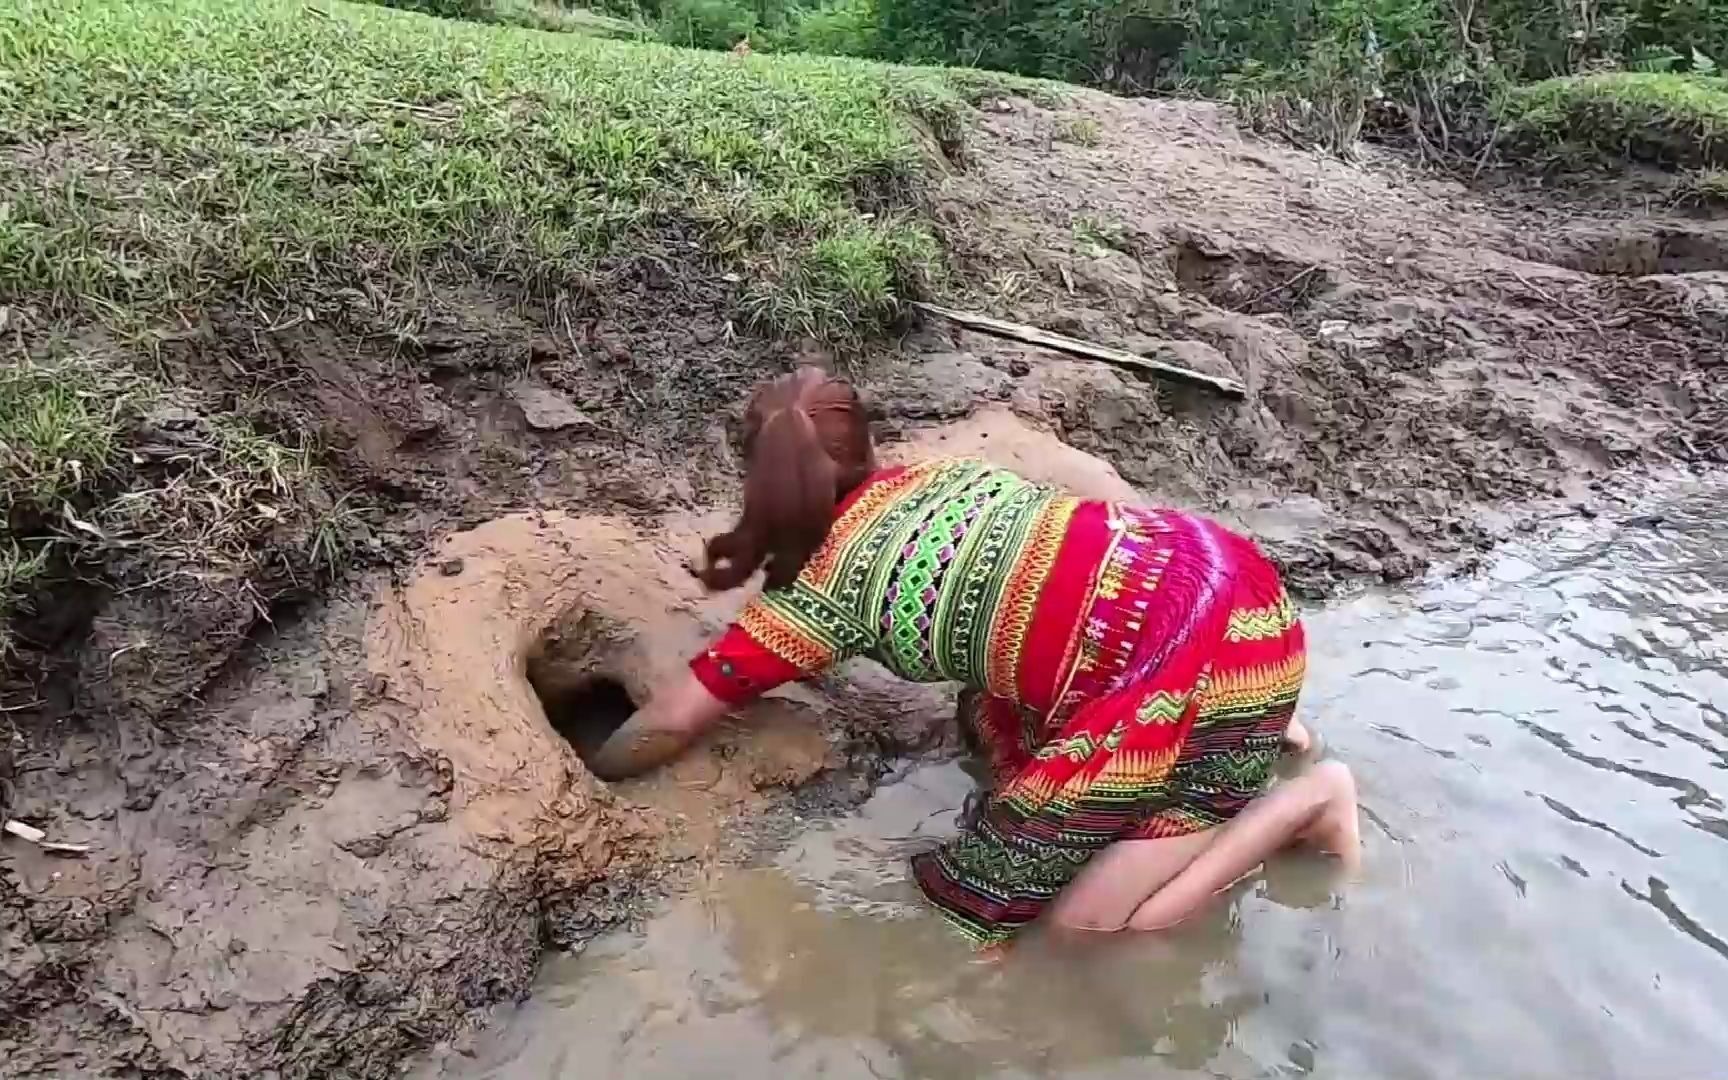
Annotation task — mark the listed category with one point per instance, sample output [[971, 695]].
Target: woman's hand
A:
[[659, 731]]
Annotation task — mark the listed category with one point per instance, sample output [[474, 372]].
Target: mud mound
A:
[[378, 832], [1635, 249]]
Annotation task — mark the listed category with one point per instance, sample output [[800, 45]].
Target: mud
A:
[[336, 820], [1420, 356], [377, 827]]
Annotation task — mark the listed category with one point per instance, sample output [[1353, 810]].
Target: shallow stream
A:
[[1540, 752]]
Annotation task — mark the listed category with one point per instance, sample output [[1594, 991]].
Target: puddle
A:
[[1540, 753]]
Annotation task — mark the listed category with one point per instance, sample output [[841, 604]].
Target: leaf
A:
[[82, 526]]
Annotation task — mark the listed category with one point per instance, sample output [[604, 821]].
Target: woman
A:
[[1131, 672]]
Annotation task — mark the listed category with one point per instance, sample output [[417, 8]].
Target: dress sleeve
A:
[[781, 636], [737, 669]]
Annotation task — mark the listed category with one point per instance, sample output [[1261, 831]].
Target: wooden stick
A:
[[1047, 339], [36, 836], [25, 832]]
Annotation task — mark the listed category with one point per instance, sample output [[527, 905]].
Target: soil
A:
[[331, 825]]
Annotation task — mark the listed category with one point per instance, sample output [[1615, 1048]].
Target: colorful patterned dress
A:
[[1135, 668]]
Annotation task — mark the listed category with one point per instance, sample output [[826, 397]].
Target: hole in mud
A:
[[575, 671], [584, 710], [1251, 282]]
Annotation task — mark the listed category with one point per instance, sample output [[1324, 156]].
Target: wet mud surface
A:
[[333, 822]]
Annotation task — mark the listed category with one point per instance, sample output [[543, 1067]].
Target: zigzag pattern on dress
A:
[[1262, 623], [1161, 707]]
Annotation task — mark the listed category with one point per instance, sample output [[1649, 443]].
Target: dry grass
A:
[[98, 466]]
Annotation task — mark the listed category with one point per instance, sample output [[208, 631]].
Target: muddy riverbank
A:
[[334, 820]]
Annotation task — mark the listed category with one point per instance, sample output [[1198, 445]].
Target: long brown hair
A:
[[806, 446]]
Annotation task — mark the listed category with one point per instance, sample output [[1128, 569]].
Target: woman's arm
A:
[[735, 671], [659, 731]]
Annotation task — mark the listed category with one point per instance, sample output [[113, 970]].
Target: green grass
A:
[[165, 154], [58, 432], [1673, 120], [552, 16], [1099, 234], [164, 162]]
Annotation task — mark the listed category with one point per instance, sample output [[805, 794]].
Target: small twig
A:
[[426, 111], [31, 834], [1294, 279], [1086, 350]]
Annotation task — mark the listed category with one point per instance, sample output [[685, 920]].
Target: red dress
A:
[[1135, 668]]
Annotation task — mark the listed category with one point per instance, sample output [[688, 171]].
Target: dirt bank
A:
[[1421, 357], [337, 835]]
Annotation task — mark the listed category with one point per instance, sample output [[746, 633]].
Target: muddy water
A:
[[1541, 755]]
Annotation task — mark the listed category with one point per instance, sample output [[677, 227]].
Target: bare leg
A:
[[1298, 739], [1317, 808], [1117, 880]]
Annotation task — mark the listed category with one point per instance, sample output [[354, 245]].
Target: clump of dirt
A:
[[1635, 249]]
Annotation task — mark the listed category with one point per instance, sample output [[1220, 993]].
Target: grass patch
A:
[[58, 433], [555, 17], [162, 155], [1679, 121], [1079, 130], [99, 466], [1098, 235], [164, 164]]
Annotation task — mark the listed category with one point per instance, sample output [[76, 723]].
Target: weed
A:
[[1099, 234], [333, 536], [1079, 130], [1705, 189]]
